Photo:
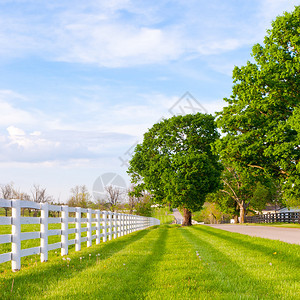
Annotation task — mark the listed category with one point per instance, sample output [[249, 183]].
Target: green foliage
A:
[[261, 120], [143, 208], [80, 197], [163, 214], [261, 196], [175, 163], [210, 214]]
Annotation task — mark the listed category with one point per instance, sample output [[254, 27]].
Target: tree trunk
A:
[[242, 214], [187, 217], [236, 219]]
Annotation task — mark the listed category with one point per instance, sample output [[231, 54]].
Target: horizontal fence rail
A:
[[286, 217], [98, 225]]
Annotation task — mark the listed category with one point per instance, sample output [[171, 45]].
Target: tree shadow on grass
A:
[[224, 276], [134, 278], [35, 280], [255, 244]]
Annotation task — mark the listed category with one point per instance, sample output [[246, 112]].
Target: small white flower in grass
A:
[[68, 258], [90, 255], [270, 264], [63, 258], [124, 264]]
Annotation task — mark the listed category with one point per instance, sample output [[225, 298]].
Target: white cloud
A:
[[15, 132], [117, 45]]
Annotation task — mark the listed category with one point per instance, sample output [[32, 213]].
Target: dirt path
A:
[[288, 235]]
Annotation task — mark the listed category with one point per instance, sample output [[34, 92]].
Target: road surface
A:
[[177, 215], [288, 235]]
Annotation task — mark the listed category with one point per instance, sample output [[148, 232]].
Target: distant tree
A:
[[143, 206], [225, 203], [209, 214], [132, 199], [79, 196], [39, 195], [100, 204], [175, 163], [139, 203], [7, 192], [22, 196], [114, 196]]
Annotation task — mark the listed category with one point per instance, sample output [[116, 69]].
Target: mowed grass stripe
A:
[[124, 275], [166, 262], [47, 278], [242, 267]]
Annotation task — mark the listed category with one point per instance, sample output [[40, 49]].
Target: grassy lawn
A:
[[163, 214], [284, 225], [165, 262]]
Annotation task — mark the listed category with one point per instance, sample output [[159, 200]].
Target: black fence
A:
[[287, 217]]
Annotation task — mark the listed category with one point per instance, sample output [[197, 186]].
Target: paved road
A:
[[288, 235], [177, 215]]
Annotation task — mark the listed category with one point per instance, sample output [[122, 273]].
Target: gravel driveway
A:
[[288, 235]]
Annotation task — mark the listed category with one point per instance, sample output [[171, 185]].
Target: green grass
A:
[[285, 225], [165, 262], [163, 214], [33, 259]]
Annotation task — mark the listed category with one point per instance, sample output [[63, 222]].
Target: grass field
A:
[[165, 262], [163, 214], [284, 225]]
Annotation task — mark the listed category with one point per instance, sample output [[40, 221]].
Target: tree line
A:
[[256, 160], [240, 159], [114, 199]]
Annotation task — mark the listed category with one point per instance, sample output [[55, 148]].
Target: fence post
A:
[[134, 223], [122, 224], [128, 223], [104, 214], [44, 231], [78, 229], [98, 231], [89, 226], [110, 225], [16, 235], [115, 225], [64, 230], [125, 224], [119, 224]]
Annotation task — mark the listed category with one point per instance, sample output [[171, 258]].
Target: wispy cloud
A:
[[127, 33], [33, 136], [11, 114], [58, 146]]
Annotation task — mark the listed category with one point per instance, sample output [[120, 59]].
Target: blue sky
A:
[[81, 81]]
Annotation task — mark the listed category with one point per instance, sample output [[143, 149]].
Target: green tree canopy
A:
[[175, 162], [261, 120]]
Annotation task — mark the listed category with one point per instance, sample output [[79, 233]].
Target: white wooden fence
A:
[[105, 224]]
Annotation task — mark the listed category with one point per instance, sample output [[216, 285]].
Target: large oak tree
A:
[[261, 121], [175, 162]]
